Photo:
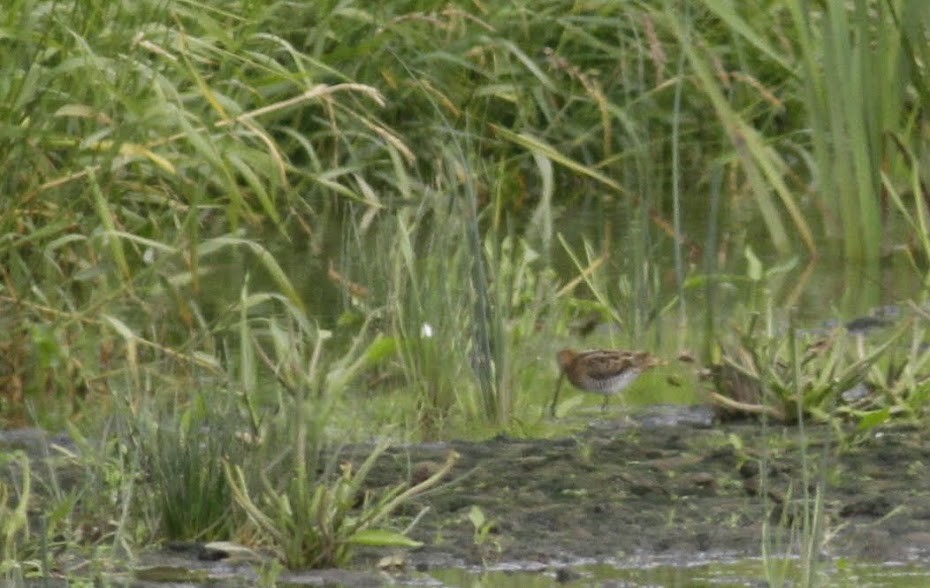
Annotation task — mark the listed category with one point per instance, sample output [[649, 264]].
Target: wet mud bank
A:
[[671, 493], [666, 487]]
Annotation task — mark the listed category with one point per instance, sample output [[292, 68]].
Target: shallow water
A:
[[735, 573], [717, 572], [818, 289]]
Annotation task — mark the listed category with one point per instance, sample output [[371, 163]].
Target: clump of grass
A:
[[432, 313], [900, 386], [758, 374], [184, 458], [317, 523]]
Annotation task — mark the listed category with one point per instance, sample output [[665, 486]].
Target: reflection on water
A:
[[818, 290], [717, 573], [720, 574]]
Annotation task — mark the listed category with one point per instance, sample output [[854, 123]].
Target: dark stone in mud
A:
[[866, 323], [872, 506], [186, 547], [35, 443], [566, 575]]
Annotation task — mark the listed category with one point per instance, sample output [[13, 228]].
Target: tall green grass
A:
[[16, 542], [143, 141], [849, 73]]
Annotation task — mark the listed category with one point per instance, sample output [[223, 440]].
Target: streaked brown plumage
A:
[[602, 371]]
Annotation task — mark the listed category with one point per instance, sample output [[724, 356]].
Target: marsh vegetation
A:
[[239, 238]]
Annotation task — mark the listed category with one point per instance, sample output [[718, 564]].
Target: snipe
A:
[[602, 371]]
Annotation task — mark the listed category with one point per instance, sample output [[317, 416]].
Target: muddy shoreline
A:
[[672, 493], [668, 488]]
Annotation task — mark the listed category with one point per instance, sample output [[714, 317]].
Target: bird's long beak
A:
[[555, 398]]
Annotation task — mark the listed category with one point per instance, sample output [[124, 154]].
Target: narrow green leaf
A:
[[874, 418], [754, 266], [382, 538]]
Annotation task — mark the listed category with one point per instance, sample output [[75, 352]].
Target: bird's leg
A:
[[555, 399], [604, 404]]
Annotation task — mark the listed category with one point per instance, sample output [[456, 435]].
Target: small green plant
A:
[[807, 520], [800, 527], [17, 547], [269, 573], [484, 529]]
